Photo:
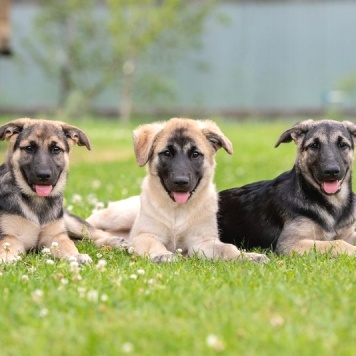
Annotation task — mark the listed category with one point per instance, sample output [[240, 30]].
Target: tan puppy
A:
[[178, 203]]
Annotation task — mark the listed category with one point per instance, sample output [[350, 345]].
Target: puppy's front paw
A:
[[165, 258], [81, 258]]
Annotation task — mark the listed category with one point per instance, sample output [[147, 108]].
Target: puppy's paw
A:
[[81, 258], [119, 242], [165, 258], [255, 257]]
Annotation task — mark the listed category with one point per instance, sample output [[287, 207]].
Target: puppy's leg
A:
[[10, 249], [118, 217], [148, 245], [336, 247], [79, 229], [215, 249], [54, 237]]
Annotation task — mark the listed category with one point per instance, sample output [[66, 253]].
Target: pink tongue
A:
[[181, 197], [43, 190], [331, 187]]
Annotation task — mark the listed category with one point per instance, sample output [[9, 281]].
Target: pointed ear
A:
[[12, 128], [144, 137], [75, 136], [295, 132], [351, 127], [215, 136]]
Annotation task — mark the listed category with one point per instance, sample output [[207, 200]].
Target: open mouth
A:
[[331, 187], [42, 190], [180, 197]]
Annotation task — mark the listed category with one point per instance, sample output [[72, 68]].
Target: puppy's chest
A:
[[41, 211]]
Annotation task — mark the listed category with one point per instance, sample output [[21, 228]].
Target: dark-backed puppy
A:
[[31, 185], [178, 204], [310, 207]]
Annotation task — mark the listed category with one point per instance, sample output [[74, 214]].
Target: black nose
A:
[[43, 175], [332, 171], [181, 181]]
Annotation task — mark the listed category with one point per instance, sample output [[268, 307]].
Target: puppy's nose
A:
[[332, 170], [43, 175], [181, 181]]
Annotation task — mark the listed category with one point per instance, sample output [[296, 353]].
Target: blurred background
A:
[[124, 58]]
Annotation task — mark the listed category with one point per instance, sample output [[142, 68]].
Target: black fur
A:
[[254, 215], [180, 167]]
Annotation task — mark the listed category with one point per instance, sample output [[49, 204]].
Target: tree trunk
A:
[[126, 102]]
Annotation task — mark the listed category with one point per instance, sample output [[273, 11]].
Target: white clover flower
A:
[[96, 184], [69, 208], [76, 199], [32, 270], [118, 281], [43, 312], [92, 199], [127, 347], [214, 342], [99, 255], [99, 205], [46, 251], [37, 295], [72, 259], [131, 250], [6, 246], [50, 262], [74, 266], [104, 298], [25, 278], [133, 276], [64, 281], [93, 295], [77, 277], [81, 291], [55, 246], [179, 251], [140, 272], [100, 266]]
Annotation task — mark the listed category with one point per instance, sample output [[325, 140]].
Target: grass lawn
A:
[[124, 304]]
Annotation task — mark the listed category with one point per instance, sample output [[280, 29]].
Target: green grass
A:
[[300, 305]]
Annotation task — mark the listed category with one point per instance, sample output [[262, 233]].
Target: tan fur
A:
[[162, 226]]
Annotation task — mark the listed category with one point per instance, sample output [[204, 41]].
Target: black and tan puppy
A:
[[309, 207], [178, 204], [31, 191]]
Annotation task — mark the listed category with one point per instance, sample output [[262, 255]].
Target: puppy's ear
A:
[[351, 127], [215, 136], [75, 136], [12, 128], [144, 138], [295, 132]]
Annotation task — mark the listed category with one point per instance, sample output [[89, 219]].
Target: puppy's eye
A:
[[314, 145], [56, 150], [29, 149], [196, 154], [167, 153], [343, 145]]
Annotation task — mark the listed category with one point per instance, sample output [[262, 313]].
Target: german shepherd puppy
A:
[[31, 185], [311, 207], [178, 204]]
